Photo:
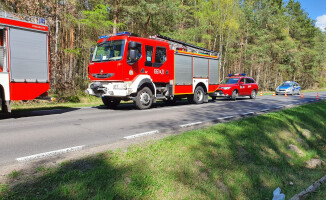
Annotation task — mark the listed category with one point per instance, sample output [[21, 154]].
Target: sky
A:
[[316, 10]]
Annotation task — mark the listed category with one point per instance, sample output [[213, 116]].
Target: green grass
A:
[[83, 101], [244, 159], [14, 174]]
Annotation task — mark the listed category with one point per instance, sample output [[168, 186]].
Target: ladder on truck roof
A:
[[24, 18], [174, 44]]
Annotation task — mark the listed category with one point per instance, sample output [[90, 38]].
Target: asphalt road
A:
[[28, 135]]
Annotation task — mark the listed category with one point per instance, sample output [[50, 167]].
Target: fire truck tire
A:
[[199, 95], [110, 103], [144, 98], [253, 94], [213, 98], [234, 95]]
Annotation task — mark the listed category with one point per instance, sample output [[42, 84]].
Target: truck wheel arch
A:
[[147, 83], [2, 93], [203, 86]]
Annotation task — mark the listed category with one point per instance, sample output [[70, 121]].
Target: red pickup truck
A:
[[237, 85]]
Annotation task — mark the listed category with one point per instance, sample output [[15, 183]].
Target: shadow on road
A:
[[32, 113]]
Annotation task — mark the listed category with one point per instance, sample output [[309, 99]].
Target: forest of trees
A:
[[271, 40]]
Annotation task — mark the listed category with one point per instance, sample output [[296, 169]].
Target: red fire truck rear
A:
[[24, 56], [124, 67]]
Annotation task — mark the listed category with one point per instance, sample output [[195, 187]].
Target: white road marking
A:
[[279, 107], [265, 110], [190, 124], [51, 153], [249, 113], [229, 117], [141, 134]]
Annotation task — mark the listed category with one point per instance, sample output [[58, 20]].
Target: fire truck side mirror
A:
[[133, 55], [132, 45], [92, 49]]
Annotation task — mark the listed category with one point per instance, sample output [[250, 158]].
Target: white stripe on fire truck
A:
[[141, 134], [50, 153]]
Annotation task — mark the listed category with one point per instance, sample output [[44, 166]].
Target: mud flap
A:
[[6, 107], [206, 98]]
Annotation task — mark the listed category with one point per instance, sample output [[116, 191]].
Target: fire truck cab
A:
[[144, 70], [24, 72]]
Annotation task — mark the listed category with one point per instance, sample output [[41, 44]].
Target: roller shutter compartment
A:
[[28, 55], [213, 72]]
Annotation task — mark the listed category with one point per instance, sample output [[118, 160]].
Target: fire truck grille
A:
[[103, 75]]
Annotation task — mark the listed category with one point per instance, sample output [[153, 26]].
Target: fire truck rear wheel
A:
[[110, 103], [199, 95], [144, 98]]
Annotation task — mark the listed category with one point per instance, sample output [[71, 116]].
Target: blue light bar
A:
[[229, 75], [123, 33], [103, 36], [42, 21]]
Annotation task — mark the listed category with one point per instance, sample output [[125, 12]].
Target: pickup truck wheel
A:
[[144, 98], [199, 95], [253, 94], [234, 95], [110, 102]]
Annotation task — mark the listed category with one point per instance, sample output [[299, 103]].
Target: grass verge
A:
[[244, 159], [81, 101]]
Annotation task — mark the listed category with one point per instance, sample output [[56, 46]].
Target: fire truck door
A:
[[161, 71]]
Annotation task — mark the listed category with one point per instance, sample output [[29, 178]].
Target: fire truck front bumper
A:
[[114, 89]]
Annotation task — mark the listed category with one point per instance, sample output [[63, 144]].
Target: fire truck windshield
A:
[[109, 51], [230, 81]]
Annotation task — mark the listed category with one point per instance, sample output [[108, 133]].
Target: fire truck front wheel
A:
[[199, 95], [110, 103], [144, 98]]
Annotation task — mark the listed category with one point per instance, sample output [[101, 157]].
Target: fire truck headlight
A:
[[120, 86]]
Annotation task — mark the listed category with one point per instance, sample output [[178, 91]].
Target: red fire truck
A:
[[24, 58], [124, 67]]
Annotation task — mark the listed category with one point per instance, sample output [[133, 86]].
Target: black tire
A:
[[299, 92], [111, 102], [199, 94], [144, 98], [213, 98], [253, 94], [234, 95]]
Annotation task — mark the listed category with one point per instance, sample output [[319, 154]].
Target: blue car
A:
[[290, 87]]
